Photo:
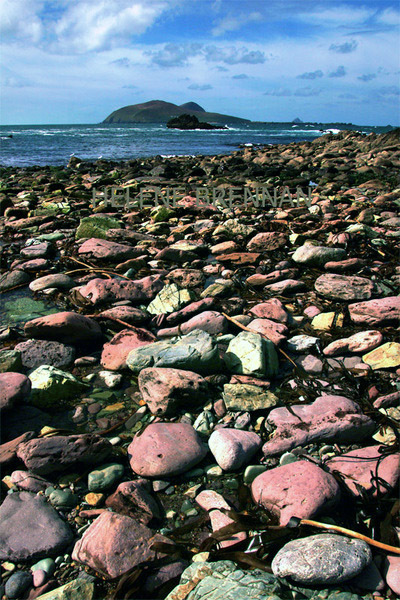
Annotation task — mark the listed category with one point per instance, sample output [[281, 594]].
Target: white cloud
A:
[[19, 20], [233, 23]]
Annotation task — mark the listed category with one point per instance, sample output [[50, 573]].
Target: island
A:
[[186, 122], [158, 111]]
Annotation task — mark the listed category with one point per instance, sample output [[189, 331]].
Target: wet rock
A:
[[77, 589], [95, 226], [342, 287], [12, 279], [367, 468], [49, 536], [210, 321], [55, 280], [213, 502], [41, 250], [104, 477], [186, 278], [169, 299], [116, 351], [322, 559], [219, 289], [44, 456], [17, 584], [166, 390], [383, 311], [62, 499], [362, 341], [44, 352], [8, 450], [51, 385], [250, 354], [66, 327], [328, 418], [317, 256], [233, 448], [128, 314], [297, 489], [239, 397], [114, 544], [165, 449], [99, 291], [386, 356], [14, 387], [10, 360], [133, 499], [195, 351], [29, 482], [107, 250]]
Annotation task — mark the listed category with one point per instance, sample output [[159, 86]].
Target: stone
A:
[[169, 299], [232, 229], [186, 278], [17, 584], [392, 573], [8, 450], [54, 280], [368, 469], [326, 559], [17, 514], [46, 455], [195, 351], [190, 310], [239, 397], [104, 477], [66, 327], [110, 379], [383, 311], [287, 286], [275, 332], [328, 418], [77, 589], [233, 448], [14, 388], [29, 481], [310, 363], [107, 250], [219, 289], [363, 341], [213, 502], [298, 489], [210, 321], [165, 449], [114, 544], [239, 258], [100, 291], [317, 256], [249, 354], [35, 353], [167, 390], [327, 321], [300, 343], [128, 314], [267, 241], [51, 385], [116, 351], [62, 499], [12, 279], [39, 577], [386, 356], [37, 250], [46, 564], [132, 498], [10, 360], [342, 287], [96, 226]]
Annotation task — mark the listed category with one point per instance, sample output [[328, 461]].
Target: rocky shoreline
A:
[[201, 400]]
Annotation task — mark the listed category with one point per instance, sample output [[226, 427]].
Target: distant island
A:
[[187, 121], [158, 111]]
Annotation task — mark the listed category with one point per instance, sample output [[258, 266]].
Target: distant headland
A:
[[158, 111]]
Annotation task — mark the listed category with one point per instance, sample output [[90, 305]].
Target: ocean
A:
[[30, 145]]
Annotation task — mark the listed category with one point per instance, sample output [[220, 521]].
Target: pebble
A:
[[17, 584], [104, 477]]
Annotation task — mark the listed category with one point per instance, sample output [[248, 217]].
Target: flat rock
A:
[[210, 321], [187, 278], [133, 499], [297, 489], [96, 226], [14, 387], [363, 341], [54, 280], [267, 241], [100, 291], [342, 287], [275, 332], [66, 327], [50, 385], [271, 309], [327, 320], [116, 351], [170, 299], [190, 310], [286, 286], [195, 351], [128, 314], [213, 502], [114, 544], [322, 559], [166, 390], [386, 356], [360, 468], [245, 397], [250, 354], [29, 482], [77, 589], [12, 279], [45, 352], [383, 311], [346, 265], [165, 449], [233, 448], [41, 250], [19, 540], [43, 456], [328, 418], [317, 256], [8, 450], [107, 250]]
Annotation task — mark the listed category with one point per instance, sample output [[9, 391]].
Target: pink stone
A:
[[239, 258], [287, 286], [298, 489], [132, 498], [276, 332], [342, 287], [107, 250], [383, 311], [257, 280], [312, 311], [210, 320], [359, 467], [186, 278], [233, 448], [98, 291], [190, 310], [14, 387], [115, 352], [271, 309], [128, 314], [392, 573], [359, 342], [224, 247], [267, 241], [28, 481], [67, 327], [39, 577], [165, 449], [343, 266], [213, 503], [262, 383]]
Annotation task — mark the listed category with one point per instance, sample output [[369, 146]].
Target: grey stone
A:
[[322, 559], [317, 256], [17, 584], [250, 354], [243, 396], [12, 279], [35, 353], [54, 280], [104, 477], [30, 528]]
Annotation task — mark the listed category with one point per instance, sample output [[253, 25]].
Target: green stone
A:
[[253, 471], [10, 360], [78, 589], [162, 213], [169, 299], [63, 499], [46, 564], [50, 385], [246, 397], [20, 310], [104, 477], [96, 227]]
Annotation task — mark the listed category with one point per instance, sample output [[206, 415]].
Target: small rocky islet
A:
[[182, 386]]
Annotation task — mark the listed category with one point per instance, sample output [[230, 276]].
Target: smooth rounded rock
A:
[[166, 449], [66, 327], [17, 584], [322, 559], [14, 387], [233, 448], [39, 577], [55, 280], [104, 477]]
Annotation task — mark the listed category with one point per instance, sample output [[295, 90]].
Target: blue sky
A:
[[75, 61]]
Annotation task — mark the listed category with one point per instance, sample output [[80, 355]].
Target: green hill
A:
[[158, 111]]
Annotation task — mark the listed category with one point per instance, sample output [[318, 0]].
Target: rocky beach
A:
[[200, 399]]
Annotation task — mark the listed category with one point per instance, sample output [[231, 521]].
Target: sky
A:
[[76, 61]]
